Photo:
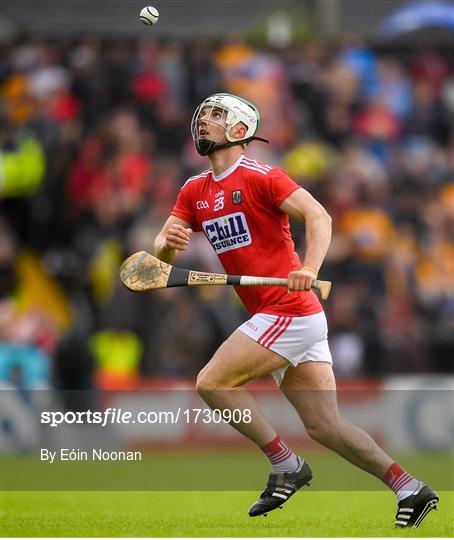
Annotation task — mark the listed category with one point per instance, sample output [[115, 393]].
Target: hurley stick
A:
[[143, 272]]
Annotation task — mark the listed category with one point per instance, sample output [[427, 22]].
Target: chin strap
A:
[[229, 144], [234, 143]]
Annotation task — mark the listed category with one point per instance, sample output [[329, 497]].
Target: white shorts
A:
[[297, 339]]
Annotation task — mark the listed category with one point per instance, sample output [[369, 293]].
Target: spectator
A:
[[95, 148]]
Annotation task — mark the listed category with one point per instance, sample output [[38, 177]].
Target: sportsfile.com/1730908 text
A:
[[113, 415]]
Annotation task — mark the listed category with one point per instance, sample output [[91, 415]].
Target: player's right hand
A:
[[177, 237]]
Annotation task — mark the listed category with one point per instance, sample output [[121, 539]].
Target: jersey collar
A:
[[228, 171]]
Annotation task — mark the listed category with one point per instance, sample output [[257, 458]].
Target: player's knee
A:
[[323, 432], [208, 382], [205, 383]]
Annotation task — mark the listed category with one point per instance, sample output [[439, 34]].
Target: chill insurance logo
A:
[[227, 232]]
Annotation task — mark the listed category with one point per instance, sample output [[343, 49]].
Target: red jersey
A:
[[239, 213]]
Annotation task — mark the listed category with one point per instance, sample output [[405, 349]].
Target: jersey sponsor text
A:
[[228, 232]]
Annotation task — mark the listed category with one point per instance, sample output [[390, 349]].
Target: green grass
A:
[[363, 508], [210, 514], [205, 470]]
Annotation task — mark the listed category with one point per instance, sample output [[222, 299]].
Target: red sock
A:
[[282, 458], [277, 450], [400, 481]]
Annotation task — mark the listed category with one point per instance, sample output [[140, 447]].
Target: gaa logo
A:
[[227, 232]]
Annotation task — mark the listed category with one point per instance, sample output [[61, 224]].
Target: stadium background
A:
[[96, 144]]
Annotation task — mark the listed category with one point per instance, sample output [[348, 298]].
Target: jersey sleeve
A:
[[183, 208], [280, 186]]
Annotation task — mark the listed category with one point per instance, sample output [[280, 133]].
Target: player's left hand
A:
[[300, 280]]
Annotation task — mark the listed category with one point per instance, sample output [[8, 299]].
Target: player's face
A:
[[212, 123]]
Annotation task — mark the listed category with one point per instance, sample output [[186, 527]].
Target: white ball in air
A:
[[149, 15]]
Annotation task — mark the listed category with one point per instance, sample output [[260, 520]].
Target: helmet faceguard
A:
[[220, 113]]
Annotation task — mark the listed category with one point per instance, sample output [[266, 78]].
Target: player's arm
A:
[[174, 237], [301, 205]]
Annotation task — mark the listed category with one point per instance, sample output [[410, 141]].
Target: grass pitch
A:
[[312, 512], [211, 514]]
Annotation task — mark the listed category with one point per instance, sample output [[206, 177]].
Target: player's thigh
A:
[[311, 389], [237, 361]]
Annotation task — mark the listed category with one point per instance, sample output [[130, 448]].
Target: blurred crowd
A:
[[96, 144]]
